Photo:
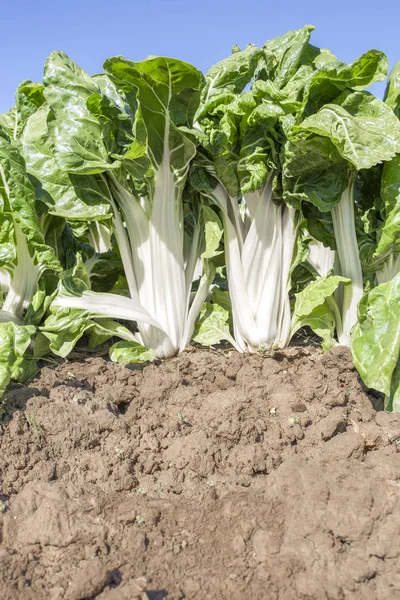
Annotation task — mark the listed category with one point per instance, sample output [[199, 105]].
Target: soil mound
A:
[[209, 476]]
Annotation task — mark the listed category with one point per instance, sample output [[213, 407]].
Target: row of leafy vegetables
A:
[[156, 206]]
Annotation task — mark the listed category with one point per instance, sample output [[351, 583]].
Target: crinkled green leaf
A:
[[66, 195], [212, 325], [363, 128], [333, 76], [316, 294], [41, 346], [389, 240], [232, 73], [222, 298], [169, 94], [321, 321], [314, 307], [23, 251], [14, 343], [130, 352], [105, 329], [29, 97], [259, 145], [64, 327], [313, 172], [284, 55], [213, 232], [376, 337], [78, 139]]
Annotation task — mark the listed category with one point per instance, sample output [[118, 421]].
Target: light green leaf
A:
[[389, 240], [212, 325], [232, 73], [316, 293], [169, 94], [29, 97], [66, 195], [130, 352], [284, 55], [14, 343], [333, 76], [77, 133], [213, 232], [23, 252], [105, 329], [64, 327], [313, 172], [222, 298], [363, 128], [376, 337], [315, 307]]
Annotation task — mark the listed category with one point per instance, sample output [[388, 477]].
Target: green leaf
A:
[[314, 307], [232, 73], [284, 55], [333, 76], [389, 240], [14, 343], [66, 195], [22, 249], [169, 94], [392, 93], [41, 346], [363, 128], [105, 329], [316, 293], [222, 298], [213, 232], [64, 327], [212, 325], [376, 337], [29, 97], [77, 133], [322, 322], [313, 172], [130, 352]]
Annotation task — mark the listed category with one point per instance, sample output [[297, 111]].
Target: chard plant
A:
[[123, 146], [157, 206]]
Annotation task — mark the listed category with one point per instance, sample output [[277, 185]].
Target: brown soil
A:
[[210, 476]]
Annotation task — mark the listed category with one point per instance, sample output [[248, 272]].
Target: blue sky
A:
[[199, 32]]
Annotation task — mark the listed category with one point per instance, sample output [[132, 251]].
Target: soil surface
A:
[[209, 476]]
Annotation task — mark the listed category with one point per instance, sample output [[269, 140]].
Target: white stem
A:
[[243, 317], [289, 240], [349, 258], [99, 237], [321, 258], [24, 278]]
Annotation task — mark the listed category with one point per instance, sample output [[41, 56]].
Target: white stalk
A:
[[243, 317], [321, 258], [24, 278], [166, 242], [107, 305], [349, 259], [288, 243], [99, 237], [5, 280], [262, 264]]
